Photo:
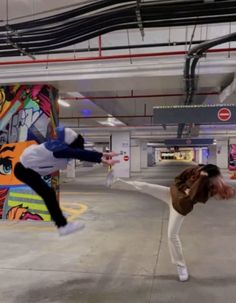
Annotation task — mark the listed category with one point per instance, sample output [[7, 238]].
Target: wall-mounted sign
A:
[[188, 142], [224, 114], [126, 158], [199, 114]]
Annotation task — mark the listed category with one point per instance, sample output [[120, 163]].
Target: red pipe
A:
[[125, 56], [137, 96], [221, 50]]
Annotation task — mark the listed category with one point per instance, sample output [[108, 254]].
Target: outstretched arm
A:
[[86, 155]]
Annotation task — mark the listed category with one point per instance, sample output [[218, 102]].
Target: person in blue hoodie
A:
[[44, 159]]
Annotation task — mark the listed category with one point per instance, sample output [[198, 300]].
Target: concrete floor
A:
[[122, 255]]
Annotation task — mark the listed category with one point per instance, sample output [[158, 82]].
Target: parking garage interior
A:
[[153, 81]]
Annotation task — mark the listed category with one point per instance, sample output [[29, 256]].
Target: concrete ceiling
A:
[[135, 111], [12, 9], [117, 81]]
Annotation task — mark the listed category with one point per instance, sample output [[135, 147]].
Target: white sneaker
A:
[[182, 272], [70, 228]]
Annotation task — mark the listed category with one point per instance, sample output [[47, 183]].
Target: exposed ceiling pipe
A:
[[171, 128], [228, 91], [148, 132], [193, 56], [100, 17], [112, 57], [118, 128], [135, 96], [117, 47], [94, 58]]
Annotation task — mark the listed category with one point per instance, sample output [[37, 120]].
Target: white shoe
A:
[[182, 272], [70, 228]]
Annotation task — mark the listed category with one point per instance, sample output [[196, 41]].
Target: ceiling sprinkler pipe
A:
[[112, 57], [135, 96]]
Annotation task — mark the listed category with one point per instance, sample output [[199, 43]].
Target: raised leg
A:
[[155, 190]]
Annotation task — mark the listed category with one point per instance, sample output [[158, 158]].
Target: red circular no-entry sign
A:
[[224, 114], [126, 158]]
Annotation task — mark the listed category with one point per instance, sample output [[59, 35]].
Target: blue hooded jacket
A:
[[61, 149], [59, 143]]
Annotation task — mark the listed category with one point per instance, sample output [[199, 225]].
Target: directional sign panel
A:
[[199, 114], [189, 142]]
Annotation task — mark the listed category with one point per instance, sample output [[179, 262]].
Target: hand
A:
[[187, 191], [109, 161], [110, 154], [107, 158]]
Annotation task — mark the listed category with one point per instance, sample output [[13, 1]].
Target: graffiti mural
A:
[[28, 115], [9, 156], [232, 157]]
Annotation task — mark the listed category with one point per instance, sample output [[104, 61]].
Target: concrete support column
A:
[[222, 153], [136, 156], [196, 155], [151, 156], [204, 154], [157, 155], [120, 142], [212, 149], [199, 155], [143, 155]]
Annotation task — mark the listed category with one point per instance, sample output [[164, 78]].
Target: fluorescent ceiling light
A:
[[89, 144], [75, 94], [154, 144], [111, 121], [106, 123], [63, 103]]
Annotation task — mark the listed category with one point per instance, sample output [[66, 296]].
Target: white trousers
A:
[[175, 219]]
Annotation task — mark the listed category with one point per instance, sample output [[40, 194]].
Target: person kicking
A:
[[46, 158]]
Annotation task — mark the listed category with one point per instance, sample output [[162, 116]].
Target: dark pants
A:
[[34, 180]]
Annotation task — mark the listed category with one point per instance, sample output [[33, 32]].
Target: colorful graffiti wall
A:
[[232, 157], [28, 115]]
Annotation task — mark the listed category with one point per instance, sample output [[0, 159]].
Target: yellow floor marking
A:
[[74, 213]]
